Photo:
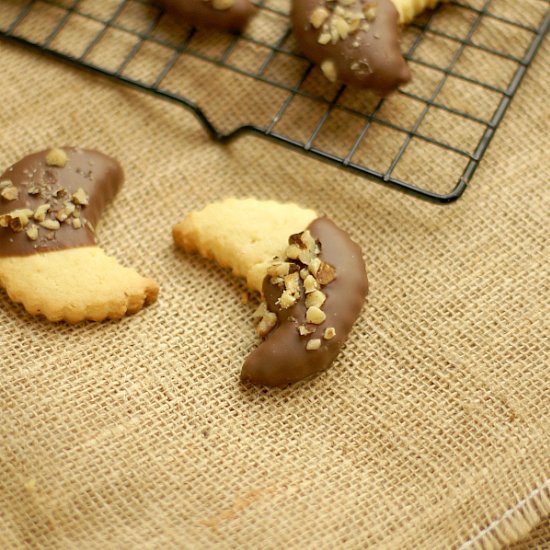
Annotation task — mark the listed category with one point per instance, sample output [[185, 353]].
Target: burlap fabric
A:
[[430, 431]]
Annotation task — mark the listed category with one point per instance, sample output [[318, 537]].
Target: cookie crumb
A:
[[56, 157]]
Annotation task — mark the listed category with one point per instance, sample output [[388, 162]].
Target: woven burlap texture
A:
[[431, 430]]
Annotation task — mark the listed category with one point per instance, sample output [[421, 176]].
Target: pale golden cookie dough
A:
[[75, 284], [243, 234]]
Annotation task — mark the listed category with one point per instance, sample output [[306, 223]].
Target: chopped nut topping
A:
[[32, 232], [304, 331], [324, 38], [267, 322], [316, 298], [80, 197], [16, 219], [313, 344], [330, 333], [10, 192], [56, 157], [303, 273], [279, 269], [292, 283], [40, 212], [325, 274], [287, 299], [222, 4], [293, 251], [370, 12], [318, 16], [261, 310], [66, 211], [77, 224], [342, 27], [329, 69], [34, 190], [315, 315], [310, 284], [50, 224], [314, 265]]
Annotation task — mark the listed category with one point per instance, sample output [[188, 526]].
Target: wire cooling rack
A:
[[467, 57]]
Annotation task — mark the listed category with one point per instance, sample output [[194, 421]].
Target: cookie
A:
[[313, 285], [356, 42], [222, 15], [243, 234], [50, 204], [409, 9]]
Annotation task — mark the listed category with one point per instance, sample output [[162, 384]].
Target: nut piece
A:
[[315, 315], [313, 344], [80, 197], [56, 157], [222, 4], [315, 299], [32, 232], [287, 299], [329, 69], [267, 322], [325, 274], [10, 192], [318, 17], [310, 284], [53, 225], [77, 224], [66, 211], [40, 212], [16, 219], [304, 331], [278, 269], [324, 38], [330, 333]]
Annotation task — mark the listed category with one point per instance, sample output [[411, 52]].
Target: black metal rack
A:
[[294, 105]]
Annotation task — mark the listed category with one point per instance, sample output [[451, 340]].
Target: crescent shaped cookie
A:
[[312, 277], [50, 203], [356, 42]]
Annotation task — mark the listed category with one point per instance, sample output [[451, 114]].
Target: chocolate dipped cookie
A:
[[50, 204], [356, 42], [311, 275], [222, 15]]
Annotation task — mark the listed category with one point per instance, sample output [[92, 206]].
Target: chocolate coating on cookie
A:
[[288, 355], [222, 15], [354, 41], [53, 199]]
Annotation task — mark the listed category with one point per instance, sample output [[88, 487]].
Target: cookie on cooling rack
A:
[[50, 203], [310, 273], [356, 42], [222, 15]]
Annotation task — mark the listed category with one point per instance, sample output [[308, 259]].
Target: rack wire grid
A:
[[467, 57]]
